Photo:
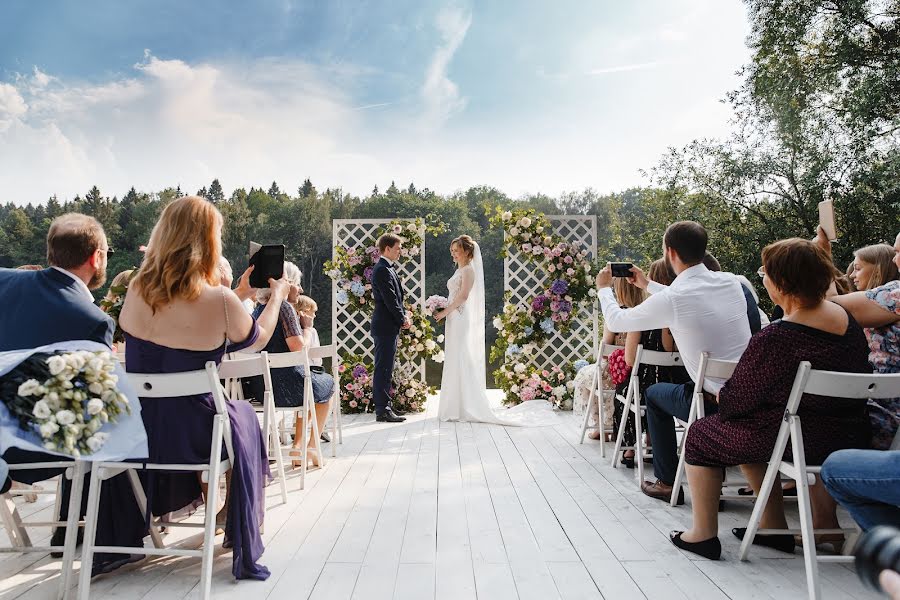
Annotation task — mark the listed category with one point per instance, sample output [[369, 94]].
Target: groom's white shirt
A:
[[388, 261]]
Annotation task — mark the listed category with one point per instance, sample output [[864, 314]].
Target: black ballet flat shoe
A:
[[711, 548], [628, 461], [783, 542]]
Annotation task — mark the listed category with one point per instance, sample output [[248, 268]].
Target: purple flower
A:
[[368, 273], [537, 305], [359, 371], [565, 306], [559, 287]]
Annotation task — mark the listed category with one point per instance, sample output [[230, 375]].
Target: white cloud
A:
[[12, 105], [624, 68], [441, 95]]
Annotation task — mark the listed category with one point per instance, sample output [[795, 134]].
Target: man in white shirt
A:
[[705, 311]]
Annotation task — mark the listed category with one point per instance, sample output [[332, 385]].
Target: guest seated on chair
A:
[[706, 312], [306, 309], [796, 274], [288, 383], [878, 310], [176, 317]]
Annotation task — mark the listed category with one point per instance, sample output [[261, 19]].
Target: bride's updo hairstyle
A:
[[466, 244], [183, 253]]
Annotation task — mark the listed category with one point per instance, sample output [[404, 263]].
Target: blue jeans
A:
[[664, 401], [866, 483]]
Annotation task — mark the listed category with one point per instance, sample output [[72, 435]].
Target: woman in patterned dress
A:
[[797, 275]]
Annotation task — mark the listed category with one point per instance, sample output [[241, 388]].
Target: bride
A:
[[463, 384]]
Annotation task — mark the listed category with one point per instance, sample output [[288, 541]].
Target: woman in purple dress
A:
[[797, 274], [176, 317]]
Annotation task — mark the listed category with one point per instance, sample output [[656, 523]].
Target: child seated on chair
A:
[[306, 309]]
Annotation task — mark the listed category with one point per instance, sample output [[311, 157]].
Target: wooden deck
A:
[[454, 511]]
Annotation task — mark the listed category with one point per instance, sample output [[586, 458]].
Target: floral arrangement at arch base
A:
[[523, 328], [351, 270]]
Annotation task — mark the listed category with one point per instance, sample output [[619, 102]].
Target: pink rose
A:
[[568, 260], [570, 272], [546, 387], [342, 368], [353, 404], [545, 373], [358, 394]]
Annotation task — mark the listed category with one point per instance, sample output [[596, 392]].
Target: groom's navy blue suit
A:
[[387, 320]]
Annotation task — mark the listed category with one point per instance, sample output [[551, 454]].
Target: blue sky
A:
[[528, 96]]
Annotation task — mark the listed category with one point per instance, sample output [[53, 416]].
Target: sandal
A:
[[310, 453], [595, 435]]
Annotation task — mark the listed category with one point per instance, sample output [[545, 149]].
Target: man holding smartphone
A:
[[705, 311]]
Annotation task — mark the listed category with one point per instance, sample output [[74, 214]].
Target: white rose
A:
[[507, 216], [412, 227], [592, 293], [430, 345], [94, 406], [511, 339], [41, 410], [29, 387], [410, 393], [524, 222], [64, 417], [48, 429], [420, 347], [96, 388], [559, 390], [414, 251], [439, 357], [539, 228], [96, 441], [440, 339], [519, 368], [514, 389], [57, 364], [514, 231], [498, 324]]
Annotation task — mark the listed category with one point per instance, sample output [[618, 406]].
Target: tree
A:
[[203, 192], [215, 194], [274, 191], [307, 190]]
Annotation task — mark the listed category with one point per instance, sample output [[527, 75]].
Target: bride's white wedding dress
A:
[[463, 384]]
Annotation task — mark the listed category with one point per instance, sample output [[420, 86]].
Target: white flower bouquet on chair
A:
[[65, 397]]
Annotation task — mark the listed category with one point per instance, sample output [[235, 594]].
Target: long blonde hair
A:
[[881, 256], [183, 253], [628, 294]]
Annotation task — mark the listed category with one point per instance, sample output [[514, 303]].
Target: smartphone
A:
[[621, 269], [269, 262], [826, 219]]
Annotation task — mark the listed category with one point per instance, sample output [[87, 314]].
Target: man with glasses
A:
[[55, 305]]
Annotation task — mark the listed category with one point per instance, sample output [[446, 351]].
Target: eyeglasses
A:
[[761, 272]]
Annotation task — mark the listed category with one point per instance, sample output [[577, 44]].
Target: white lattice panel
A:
[[523, 280], [351, 328]]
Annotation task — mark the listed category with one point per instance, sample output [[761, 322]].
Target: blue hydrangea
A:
[[548, 326], [342, 297], [513, 350], [580, 364], [528, 330], [358, 289]]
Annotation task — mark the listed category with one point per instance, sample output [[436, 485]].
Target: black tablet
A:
[[268, 262]]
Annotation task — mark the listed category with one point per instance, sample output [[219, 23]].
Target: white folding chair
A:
[[74, 470], [633, 402], [283, 360], [596, 398], [166, 386], [829, 384], [709, 368], [330, 352], [256, 365]]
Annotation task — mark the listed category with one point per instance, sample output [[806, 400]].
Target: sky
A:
[[528, 96]]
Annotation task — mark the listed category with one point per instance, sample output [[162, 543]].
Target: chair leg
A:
[[588, 409], [339, 416], [90, 533], [304, 442], [317, 436], [138, 490], [768, 482], [13, 522], [679, 473], [279, 457], [620, 433], [74, 516], [803, 503], [212, 498]]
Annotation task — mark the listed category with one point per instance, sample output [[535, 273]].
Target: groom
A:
[[387, 321]]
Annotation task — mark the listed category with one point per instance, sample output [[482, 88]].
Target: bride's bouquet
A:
[[435, 303], [66, 398]]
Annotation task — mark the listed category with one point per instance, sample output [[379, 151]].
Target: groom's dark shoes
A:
[[389, 416]]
